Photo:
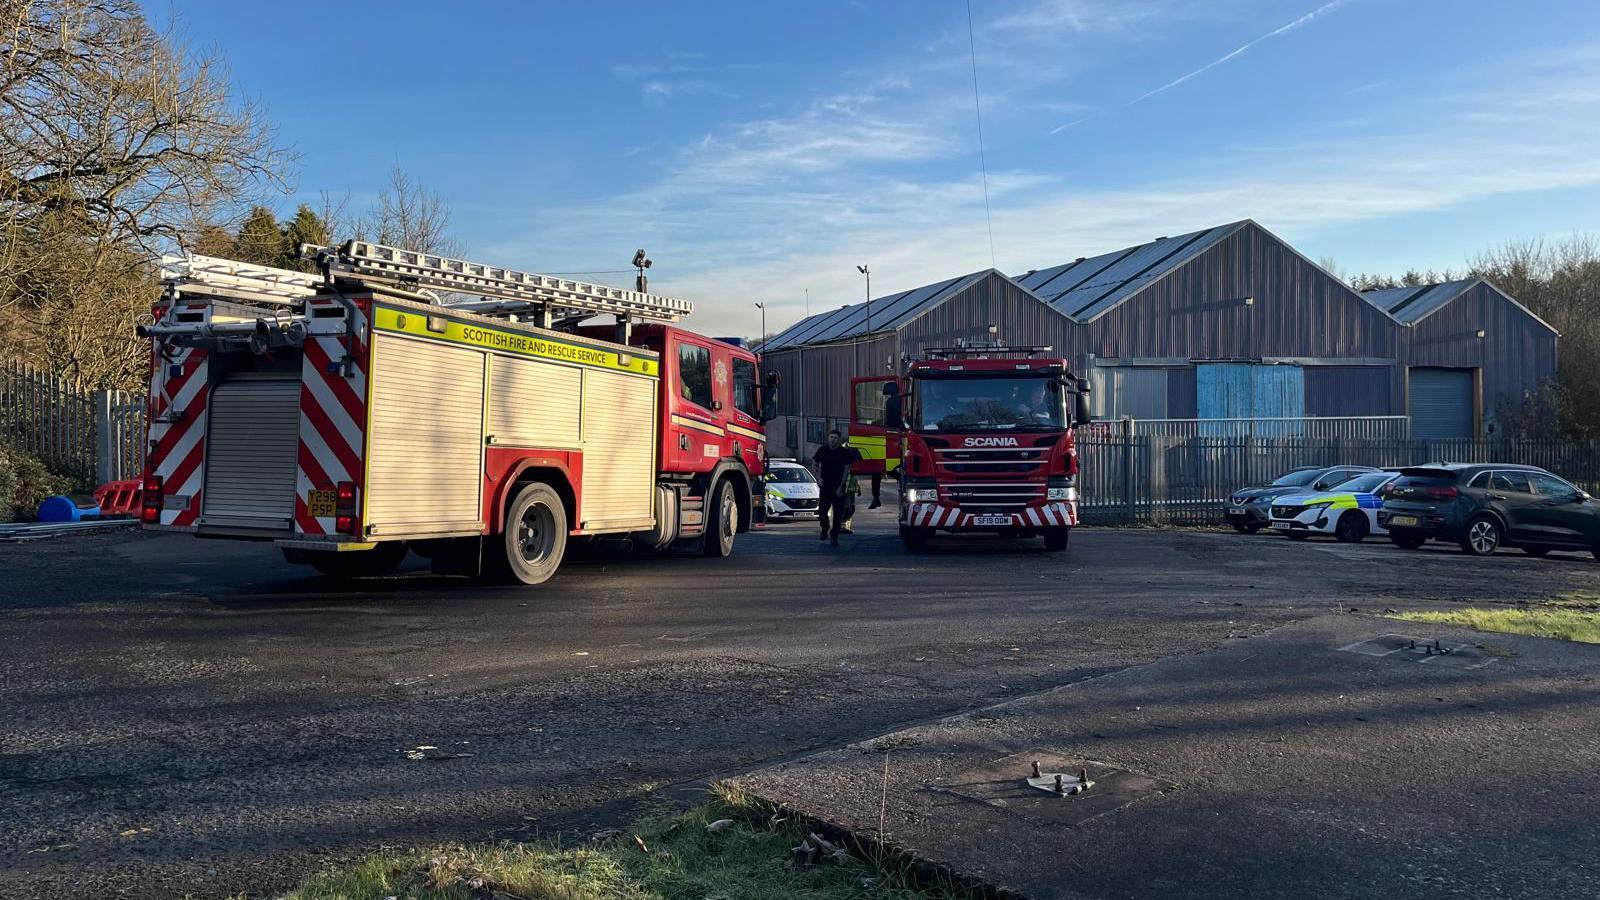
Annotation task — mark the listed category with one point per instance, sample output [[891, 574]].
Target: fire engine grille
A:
[[995, 495], [975, 460]]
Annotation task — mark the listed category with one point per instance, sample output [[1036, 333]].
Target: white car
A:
[[792, 490], [1348, 511]]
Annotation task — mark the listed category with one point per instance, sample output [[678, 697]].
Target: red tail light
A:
[[150, 500], [344, 520], [1443, 493]]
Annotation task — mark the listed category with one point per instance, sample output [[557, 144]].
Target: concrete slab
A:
[[1329, 758]]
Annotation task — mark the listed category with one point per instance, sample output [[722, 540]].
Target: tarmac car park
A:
[[1348, 511], [791, 490], [1248, 510]]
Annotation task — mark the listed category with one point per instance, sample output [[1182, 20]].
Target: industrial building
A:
[[1228, 322]]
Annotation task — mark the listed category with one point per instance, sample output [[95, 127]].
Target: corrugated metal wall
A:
[[1199, 311], [1353, 354], [1349, 390]]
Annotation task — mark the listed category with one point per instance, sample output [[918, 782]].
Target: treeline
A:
[[1559, 281], [120, 142]]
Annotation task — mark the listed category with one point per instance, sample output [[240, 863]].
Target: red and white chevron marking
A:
[[933, 515], [333, 420], [177, 436]]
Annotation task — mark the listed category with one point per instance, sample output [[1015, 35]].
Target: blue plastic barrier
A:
[[63, 509]]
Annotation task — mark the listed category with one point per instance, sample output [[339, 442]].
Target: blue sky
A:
[[760, 149]]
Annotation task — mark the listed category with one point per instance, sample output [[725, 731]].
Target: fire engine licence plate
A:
[[1403, 521], [991, 520], [321, 504]]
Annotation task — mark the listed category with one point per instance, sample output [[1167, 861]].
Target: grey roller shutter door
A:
[[252, 453], [1441, 404]]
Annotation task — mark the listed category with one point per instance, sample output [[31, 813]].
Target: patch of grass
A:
[[665, 856], [1568, 621]]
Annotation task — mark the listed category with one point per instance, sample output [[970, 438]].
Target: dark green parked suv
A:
[[1483, 506]]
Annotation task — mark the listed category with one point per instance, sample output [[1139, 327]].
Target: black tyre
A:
[[722, 520], [1297, 535], [1351, 527], [380, 560], [916, 539], [1482, 536], [1407, 541], [1536, 551], [1246, 529], [1055, 539], [535, 537]]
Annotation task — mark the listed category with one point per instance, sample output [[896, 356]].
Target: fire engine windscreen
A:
[[1004, 403]]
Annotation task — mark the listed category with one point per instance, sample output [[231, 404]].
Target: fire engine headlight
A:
[[1061, 493], [922, 495]]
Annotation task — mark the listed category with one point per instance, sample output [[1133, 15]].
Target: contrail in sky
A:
[[1276, 32], [1303, 20]]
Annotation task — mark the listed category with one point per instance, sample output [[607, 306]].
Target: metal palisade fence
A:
[[92, 435], [1181, 471]]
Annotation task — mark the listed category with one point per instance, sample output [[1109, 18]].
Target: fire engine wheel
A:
[[1055, 539], [916, 539], [535, 534], [723, 521], [380, 560]]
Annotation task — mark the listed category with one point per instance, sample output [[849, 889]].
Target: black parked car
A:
[[1250, 509], [1483, 506]]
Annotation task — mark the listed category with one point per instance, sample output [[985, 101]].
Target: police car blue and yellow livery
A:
[[1349, 513]]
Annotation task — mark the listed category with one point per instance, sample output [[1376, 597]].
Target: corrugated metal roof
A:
[[888, 312], [1412, 303], [1087, 287]]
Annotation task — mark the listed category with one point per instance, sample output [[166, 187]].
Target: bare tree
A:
[[117, 142], [409, 215]]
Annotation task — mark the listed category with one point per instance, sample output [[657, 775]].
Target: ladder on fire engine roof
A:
[[212, 276], [506, 292]]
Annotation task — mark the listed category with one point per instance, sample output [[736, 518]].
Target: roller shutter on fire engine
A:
[[533, 403], [619, 450], [425, 443], [251, 452]]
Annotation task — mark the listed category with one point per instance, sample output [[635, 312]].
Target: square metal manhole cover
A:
[[1430, 651], [1005, 783]]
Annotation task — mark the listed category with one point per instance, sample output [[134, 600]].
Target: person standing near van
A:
[[833, 470]]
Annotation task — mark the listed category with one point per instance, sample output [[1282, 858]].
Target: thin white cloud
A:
[[1276, 32]]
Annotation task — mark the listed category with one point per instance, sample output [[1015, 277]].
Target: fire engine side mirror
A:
[[769, 398], [1081, 414]]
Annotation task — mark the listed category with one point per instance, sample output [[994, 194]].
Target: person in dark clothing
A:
[[877, 490], [833, 468]]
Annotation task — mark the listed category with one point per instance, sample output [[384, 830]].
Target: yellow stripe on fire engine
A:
[[471, 334], [868, 445]]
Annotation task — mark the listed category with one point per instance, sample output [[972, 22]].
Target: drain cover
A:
[[1431, 651], [1009, 783]]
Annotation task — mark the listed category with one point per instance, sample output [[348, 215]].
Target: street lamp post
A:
[[868, 333]]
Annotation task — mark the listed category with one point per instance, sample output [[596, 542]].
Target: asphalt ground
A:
[[186, 716], [1328, 759]]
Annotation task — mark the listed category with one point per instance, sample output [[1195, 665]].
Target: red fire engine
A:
[[351, 417], [987, 442]]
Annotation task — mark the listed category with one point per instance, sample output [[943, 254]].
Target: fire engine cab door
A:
[[251, 453], [878, 444]]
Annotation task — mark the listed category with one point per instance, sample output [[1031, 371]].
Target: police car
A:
[[1348, 511], [792, 490]]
